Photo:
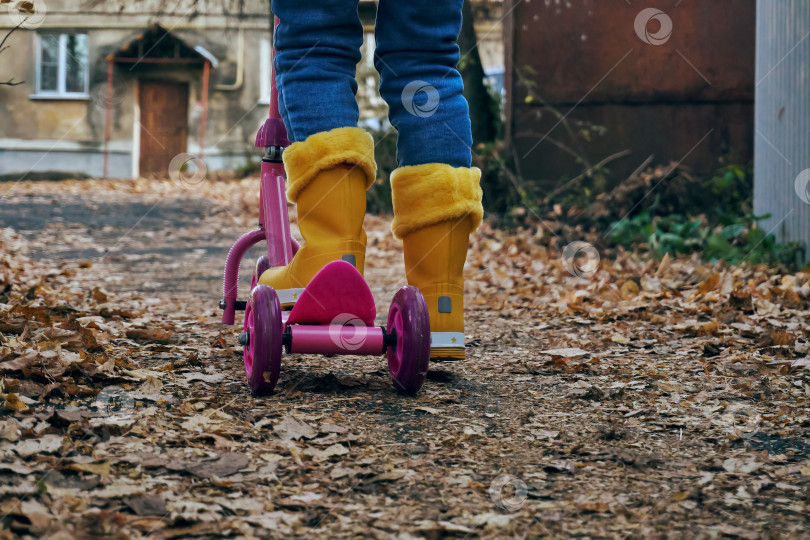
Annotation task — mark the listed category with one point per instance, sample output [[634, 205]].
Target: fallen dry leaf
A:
[[149, 334], [290, 428]]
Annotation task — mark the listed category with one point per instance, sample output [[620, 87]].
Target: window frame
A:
[[61, 69]]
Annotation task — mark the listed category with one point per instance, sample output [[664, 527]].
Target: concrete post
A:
[[782, 120]]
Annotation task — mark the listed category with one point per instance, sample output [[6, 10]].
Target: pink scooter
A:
[[335, 312]]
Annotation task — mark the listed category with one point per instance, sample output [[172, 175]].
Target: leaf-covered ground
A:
[[663, 399]]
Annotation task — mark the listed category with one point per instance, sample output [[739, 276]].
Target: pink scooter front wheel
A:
[[408, 360], [262, 351]]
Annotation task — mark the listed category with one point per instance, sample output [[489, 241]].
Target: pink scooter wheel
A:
[[408, 361], [263, 351], [262, 264]]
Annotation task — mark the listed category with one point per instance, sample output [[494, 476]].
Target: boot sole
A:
[[447, 354]]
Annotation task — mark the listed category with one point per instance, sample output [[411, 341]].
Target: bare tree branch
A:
[[3, 47]]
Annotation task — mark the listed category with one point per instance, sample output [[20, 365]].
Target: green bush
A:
[[732, 189], [740, 240]]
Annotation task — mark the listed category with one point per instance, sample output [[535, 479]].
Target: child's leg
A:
[[416, 57], [317, 49], [331, 161], [437, 197]]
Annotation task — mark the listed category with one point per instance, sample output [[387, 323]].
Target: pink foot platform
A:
[[338, 293]]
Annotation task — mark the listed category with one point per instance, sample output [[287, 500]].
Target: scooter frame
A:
[[268, 329]]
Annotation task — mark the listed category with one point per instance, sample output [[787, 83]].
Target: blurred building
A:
[[155, 60]]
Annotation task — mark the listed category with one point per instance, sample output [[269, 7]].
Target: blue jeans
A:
[[318, 47]]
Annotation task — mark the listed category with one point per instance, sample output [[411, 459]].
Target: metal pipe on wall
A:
[[204, 114], [240, 66], [108, 115]]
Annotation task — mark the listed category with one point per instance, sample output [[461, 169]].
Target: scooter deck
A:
[[337, 294]]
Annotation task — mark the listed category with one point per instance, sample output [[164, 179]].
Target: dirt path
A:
[[645, 400]]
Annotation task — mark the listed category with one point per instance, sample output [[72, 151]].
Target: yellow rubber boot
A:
[[328, 175], [436, 208]]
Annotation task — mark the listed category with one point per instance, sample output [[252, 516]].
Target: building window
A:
[[62, 65]]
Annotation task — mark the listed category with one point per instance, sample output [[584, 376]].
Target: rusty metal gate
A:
[[669, 78]]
